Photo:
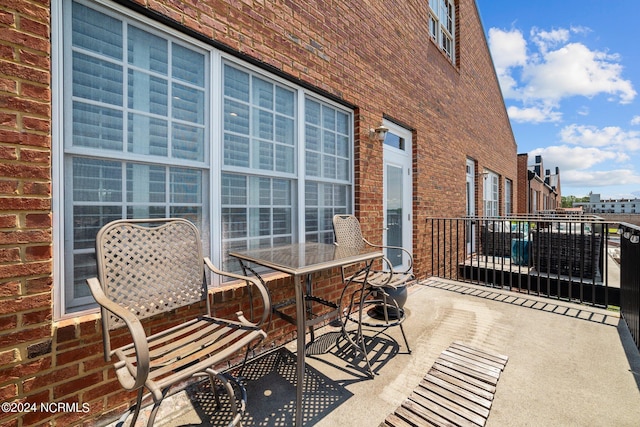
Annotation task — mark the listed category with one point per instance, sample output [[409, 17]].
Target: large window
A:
[[491, 194], [139, 108], [442, 25]]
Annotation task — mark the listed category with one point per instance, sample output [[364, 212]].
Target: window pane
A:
[[236, 150], [236, 117], [87, 220], [329, 167], [342, 169], [313, 163], [284, 159], [328, 118], [236, 83], [146, 184], [262, 124], [96, 32], [147, 135], [192, 213], [187, 104], [285, 130], [312, 137], [146, 211], [282, 192], [285, 101], [265, 191], [188, 142], [262, 93], [263, 155], [312, 112], [97, 80], [187, 65], [234, 189], [97, 180], [97, 127], [342, 123], [148, 93], [329, 142], [234, 223], [186, 186], [342, 145], [282, 221], [146, 50]]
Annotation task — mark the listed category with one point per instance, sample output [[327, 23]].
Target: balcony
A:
[[572, 358]]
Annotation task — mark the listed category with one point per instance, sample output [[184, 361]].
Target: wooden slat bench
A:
[[457, 391]]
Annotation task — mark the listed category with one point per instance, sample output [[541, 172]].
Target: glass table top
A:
[[304, 258]]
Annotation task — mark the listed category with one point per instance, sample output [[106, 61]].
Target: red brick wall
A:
[[523, 184], [374, 55]]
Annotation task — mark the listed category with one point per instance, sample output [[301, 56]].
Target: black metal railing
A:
[[630, 278], [557, 256]]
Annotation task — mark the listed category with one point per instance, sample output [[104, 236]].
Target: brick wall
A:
[[375, 55]]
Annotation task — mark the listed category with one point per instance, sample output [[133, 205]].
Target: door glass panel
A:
[[395, 141], [394, 213]]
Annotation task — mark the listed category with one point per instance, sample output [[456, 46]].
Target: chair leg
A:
[[214, 390], [359, 344], [156, 406], [226, 381], [363, 298], [136, 412], [406, 342]]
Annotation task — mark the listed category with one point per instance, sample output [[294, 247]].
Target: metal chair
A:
[[151, 267], [380, 296]]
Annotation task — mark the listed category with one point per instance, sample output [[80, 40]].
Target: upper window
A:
[[442, 25], [136, 142]]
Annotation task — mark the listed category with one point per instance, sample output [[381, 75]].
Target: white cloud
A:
[[577, 166], [590, 179], [551, 69], [570, 159], [611, 137], [534, 114], [546, 39], [508, 48], [574, 70], [635, 120]]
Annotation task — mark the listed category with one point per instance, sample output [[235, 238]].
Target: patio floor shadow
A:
[[271, 387]]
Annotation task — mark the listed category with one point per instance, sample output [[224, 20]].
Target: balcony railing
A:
[[582, 259], [630, 278]]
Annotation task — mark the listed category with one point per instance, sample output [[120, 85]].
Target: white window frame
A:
[[508, 196], [213, 165], [491, 194], [442, 26]]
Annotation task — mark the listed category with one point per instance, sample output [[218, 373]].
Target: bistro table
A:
[[301, 260]]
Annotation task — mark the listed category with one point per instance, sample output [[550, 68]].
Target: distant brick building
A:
[[538, 189], [250, 118]]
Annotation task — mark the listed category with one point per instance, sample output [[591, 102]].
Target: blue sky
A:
[[570, 75]]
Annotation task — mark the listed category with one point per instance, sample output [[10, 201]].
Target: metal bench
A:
[[149, 268]]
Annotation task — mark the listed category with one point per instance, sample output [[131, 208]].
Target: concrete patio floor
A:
[[569, 365]]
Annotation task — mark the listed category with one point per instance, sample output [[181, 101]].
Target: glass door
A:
[[471, 206], [398, 194]]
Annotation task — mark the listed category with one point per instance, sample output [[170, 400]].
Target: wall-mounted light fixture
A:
[[626, 234], [379, 133], [634, 238]]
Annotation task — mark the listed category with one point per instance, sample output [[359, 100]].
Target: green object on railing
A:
[[520, 251]]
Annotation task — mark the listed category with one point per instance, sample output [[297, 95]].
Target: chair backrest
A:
[[347, 231], [150, 266]]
